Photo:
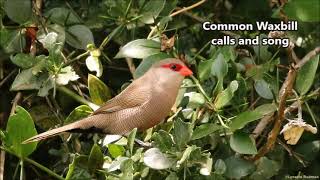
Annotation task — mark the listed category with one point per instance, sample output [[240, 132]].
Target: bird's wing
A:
[[134, 95]]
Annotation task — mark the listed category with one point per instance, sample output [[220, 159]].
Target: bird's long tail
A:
[[53, 132]]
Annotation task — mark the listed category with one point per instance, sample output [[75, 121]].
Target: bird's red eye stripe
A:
[[173, 66]]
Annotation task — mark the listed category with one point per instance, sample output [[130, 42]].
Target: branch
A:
[[283, 94], [153, 29], [307, 57]]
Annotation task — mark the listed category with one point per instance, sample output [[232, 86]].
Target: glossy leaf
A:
[[163, 141], [95, 158], [62, 16], [24, 61], [147, 62], [263, 89], [182, 132], [19, 128], [204, 69], [242, 143], [238, 168], [155, 159], [115, 150], [220, 167], [151, 10], [25, 80], [306, 75], [78, 113], [18, 11], [140, 48], [219, 67], [79, 36], [296, 10], [131, 139], [205, 130], [244, 118], [224, 97], [266, 168], [99, 92]]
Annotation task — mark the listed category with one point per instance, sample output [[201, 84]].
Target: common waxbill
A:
[[143, 104]]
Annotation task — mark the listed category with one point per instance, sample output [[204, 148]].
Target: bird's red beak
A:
[[185, 71]]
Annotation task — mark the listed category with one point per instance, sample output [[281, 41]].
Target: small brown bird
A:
[[143, 104]]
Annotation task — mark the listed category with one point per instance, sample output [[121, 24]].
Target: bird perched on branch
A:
[[143, 104]]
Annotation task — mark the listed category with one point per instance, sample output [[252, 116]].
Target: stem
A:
[[174, 14], [45, 169], [110, 36], [76, 58], [21, 169], [196, 81], [77, 97]]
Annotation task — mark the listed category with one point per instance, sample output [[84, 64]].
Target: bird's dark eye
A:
[[173, 67]]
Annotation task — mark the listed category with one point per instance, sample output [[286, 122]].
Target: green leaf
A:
[[25, 80], [220, 167], [62, 16], [163, 141], [155, 159], [182, 132], [242, 143], [140, 48], [172, 176], [46, 86], [306, 75], [19, 11], [19, 128], [151, 11], [115, 150], [12, 40], [301, 10], [195, 99], [204, 69], [127, 170], [147, 62], [229, 52], [309, 150], [99, 92], [205, 130], [24, 61], [219, 67], [95, 160], [244, 118], [266, 168], [265, 109], [263, 89], [186, 154], [79, 36], [224, 97], [78, 113], [261, 51], [131, 139], [238, 168]]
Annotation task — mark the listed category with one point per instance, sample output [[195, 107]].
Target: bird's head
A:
[[173, 66]]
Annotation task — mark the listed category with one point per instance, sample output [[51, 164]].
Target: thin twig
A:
[[283, 94], [7, 77], [307, 57], [187, 8], [176, 13]]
